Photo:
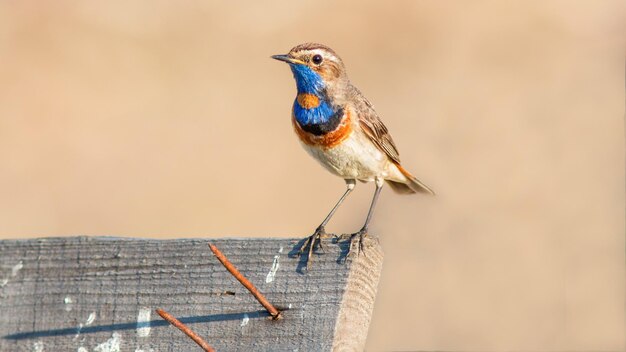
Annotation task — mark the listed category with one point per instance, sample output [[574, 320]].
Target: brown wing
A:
[[375, 129]]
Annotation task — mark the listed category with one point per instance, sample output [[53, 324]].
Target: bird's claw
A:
[[359, 238], [311, 242]]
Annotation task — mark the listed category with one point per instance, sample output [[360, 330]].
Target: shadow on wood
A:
[[99, 293]]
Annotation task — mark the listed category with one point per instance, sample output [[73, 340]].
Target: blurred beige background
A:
[[168, 119]]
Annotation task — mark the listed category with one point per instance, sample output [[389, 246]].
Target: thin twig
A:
[[182, 327], [275, 313]]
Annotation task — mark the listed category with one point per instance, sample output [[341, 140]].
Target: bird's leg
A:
[[320, 231], [363, 231]]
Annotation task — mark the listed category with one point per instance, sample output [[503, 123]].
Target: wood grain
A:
[[99, 294]]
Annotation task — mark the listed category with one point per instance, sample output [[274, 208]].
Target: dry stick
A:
[[182, 327], [275, 313]]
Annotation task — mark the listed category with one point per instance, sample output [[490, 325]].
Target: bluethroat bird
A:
[[338, 126]]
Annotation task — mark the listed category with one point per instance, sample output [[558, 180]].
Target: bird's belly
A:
[[354, 158]]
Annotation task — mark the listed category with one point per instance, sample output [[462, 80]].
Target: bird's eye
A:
[[317, 59]]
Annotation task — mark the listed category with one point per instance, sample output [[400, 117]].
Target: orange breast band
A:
[[329, 139]]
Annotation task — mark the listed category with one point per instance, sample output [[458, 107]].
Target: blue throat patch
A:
[[307, 80], [321, 119]]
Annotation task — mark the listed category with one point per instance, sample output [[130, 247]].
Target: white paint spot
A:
[[4, 282], [16, 269], [91, 318], [143, 322], [82, 349], [245, 320], [272, 274], [38, 346], [110, 345], [289, 305], [68, 303]]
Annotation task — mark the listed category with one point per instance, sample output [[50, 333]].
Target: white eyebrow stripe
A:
[[325, 53]]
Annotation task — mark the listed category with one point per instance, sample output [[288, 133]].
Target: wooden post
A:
[[99, 294]]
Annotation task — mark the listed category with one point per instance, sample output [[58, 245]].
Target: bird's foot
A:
[[311, 242], [357, 240]]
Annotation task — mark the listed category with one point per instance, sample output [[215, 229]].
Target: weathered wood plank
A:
[[99, 294]]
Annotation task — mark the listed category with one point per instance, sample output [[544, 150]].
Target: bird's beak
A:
[[288, 59]]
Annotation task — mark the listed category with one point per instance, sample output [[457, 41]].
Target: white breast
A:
[[355, 158]]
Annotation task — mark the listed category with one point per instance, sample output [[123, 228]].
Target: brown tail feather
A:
[[413, 185]]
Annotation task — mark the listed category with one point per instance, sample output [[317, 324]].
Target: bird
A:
[[339, 127]]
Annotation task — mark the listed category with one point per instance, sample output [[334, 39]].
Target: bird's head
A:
[[316, 68]]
